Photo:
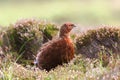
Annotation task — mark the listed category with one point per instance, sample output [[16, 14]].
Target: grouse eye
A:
[[69, 24], [72, 25]]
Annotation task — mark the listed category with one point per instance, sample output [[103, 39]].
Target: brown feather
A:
[[56, 52]]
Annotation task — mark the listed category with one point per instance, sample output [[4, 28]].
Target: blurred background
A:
[[83, 12]]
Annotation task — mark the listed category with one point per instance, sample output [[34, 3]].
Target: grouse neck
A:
[[64, 35], [67, 35]]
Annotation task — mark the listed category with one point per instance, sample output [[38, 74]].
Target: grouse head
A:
[[65, 29]]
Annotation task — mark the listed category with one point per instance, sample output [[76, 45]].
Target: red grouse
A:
[[56, 52]]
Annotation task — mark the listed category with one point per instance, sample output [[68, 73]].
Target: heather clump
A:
[[26, 36], [95, 42]]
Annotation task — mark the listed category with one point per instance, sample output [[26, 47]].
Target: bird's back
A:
[[55, 53]]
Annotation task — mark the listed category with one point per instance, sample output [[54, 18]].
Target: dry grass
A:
[[78, 69]]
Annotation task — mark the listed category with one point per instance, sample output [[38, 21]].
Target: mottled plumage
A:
[[57, 51]]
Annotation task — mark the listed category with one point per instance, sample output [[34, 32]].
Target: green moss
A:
[[49, 32]]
